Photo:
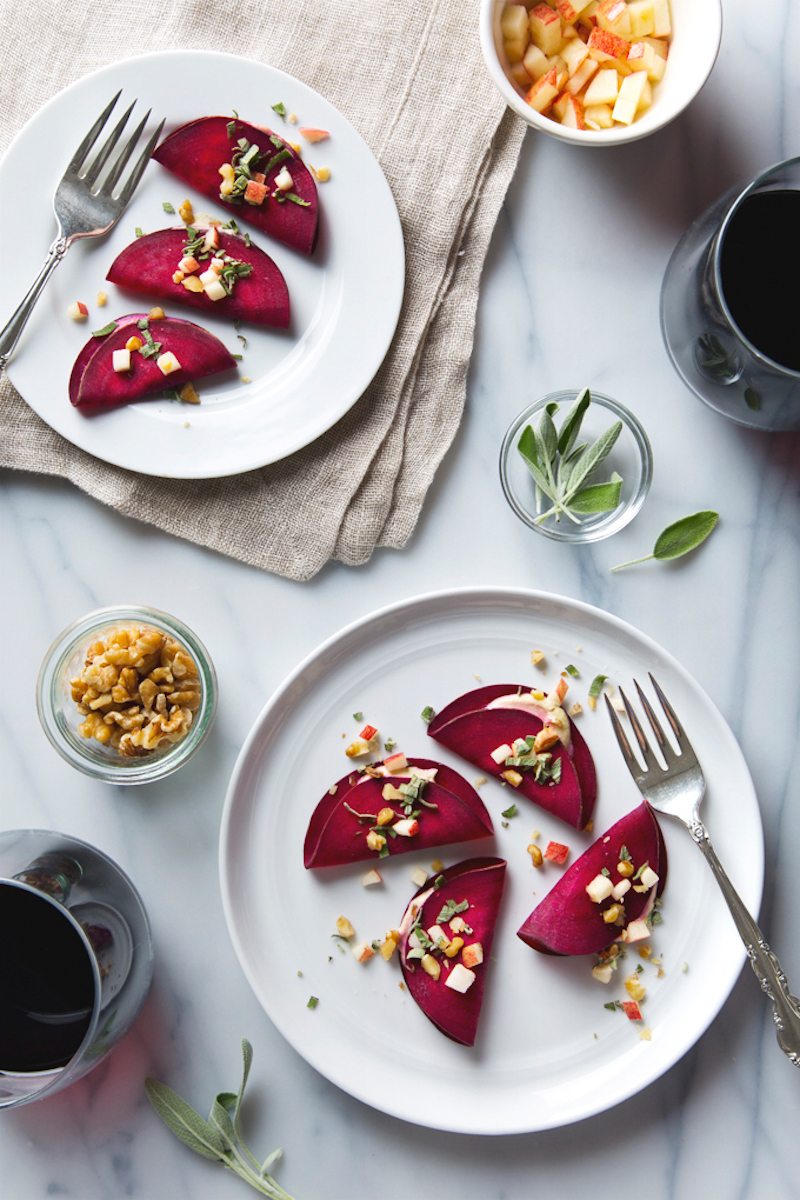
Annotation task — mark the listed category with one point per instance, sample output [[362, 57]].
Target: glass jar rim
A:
[[141, 770], [634, 426]]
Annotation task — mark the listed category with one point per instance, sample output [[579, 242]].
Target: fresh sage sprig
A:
[[679, 538], [562, 466], [219, 1138]]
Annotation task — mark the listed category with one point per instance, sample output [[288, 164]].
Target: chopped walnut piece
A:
[[138, 691]]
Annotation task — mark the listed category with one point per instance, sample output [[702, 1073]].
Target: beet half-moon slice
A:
[[195, 153], [568, 921], [95, 385], [148, 264], [336, 836], [472, 729], [478, 882]]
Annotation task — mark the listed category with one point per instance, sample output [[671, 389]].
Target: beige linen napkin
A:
[[409, 76]]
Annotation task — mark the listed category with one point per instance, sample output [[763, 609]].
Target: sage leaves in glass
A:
[[679, 538], [219, 1138], [563, 468]]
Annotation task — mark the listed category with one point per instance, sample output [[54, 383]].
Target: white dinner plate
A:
[[345, 298], [548, 1051]]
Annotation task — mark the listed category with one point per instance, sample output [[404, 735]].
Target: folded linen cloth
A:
[[410, 78]]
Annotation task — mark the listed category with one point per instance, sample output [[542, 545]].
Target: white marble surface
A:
[[570, 295]]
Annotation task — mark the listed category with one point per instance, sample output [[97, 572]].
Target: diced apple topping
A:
[[648, 877], [572, 59], [501, 753], [599, 889], [78, 311], [363, 952], [472, 956], [121, 361], [460, 979], [372, 878], [167, 363]]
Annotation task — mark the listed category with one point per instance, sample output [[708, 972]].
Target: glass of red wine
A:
[[76, 961], [727, 316]]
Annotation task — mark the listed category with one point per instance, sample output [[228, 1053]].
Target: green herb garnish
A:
[[679, 538], [572, 670], [168, 208], [428, 714], [219, 1138], [389, 744], [295, 199], [279, 108], [313, 1001], [358, 716], [562, 470], [509, 812], [596, 686], [449, 909], [139, 231], [106, 330], [624, 854], [231, 126]]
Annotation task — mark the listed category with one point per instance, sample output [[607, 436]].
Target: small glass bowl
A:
[[631, 457], [59, 713]]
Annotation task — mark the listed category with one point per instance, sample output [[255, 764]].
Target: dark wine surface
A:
[[47, 985], [759, 260]]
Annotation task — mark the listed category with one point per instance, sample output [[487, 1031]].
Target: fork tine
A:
[[80, 154], [663, 745], [105, 151], [684, 745], [122, 162], [139, 166], [647, 754], [624, 745]]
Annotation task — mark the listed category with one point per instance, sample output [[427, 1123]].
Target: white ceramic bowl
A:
[[697, 31]]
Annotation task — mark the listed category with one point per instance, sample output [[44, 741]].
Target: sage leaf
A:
[[598, 497], [592, 457], [182, 1120], [528, 448], [572, 424], [685, 535], [548, 438], [220, 1116], [679, 538], [596, 686], [247, 1062], [270, 1160]]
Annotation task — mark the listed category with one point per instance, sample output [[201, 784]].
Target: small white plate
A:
[[345, 298], [548, 1052]]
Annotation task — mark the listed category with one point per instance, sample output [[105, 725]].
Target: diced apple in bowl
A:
[[588, 64]]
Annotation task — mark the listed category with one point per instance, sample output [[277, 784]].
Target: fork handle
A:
[[10, 334], [785, 1006]]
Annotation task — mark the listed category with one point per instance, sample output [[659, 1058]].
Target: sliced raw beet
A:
[[335, 837], [95, 384], [568, 921], [87, 351], [480, 882], [473, 730], [195, 153], [148, 264]]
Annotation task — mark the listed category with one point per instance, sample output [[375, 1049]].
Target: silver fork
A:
[[84, 206], [677, 790]]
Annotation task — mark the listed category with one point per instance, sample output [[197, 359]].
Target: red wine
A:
[[47, 983], [759, 261]]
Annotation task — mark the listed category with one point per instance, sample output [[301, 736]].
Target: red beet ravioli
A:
[[571, 918], [479, 724], [446, 943], [243, 285], [401, 805], [95, 384], [201, 154]]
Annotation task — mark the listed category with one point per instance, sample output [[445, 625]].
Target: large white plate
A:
[[548, 1052], [345, 298]]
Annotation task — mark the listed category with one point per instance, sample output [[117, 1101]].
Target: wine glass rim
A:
[[731, 211]]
